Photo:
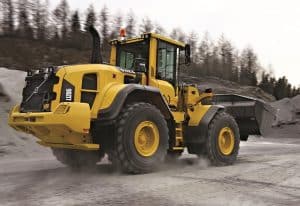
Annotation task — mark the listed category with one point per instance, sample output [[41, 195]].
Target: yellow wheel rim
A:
[[226, 141], [146, 138]]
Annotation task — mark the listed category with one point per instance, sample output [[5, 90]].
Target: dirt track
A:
[[267, 173]]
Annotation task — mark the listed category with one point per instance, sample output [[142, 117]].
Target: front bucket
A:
[[253, 116]]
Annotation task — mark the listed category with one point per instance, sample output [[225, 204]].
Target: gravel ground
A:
[[267, 173]]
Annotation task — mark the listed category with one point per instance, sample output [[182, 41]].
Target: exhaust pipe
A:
[[96, 57]]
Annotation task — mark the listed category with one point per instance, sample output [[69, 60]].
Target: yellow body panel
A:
[[57, 88], [178, 116], [195, 109], [167, 39], [152, 63], [68, 124], [110, 82], [113, 56], [110, 92], [88, 147], [196, 113]]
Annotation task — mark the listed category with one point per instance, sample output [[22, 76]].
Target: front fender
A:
[[198, 133]]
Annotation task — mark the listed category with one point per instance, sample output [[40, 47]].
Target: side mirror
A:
[[187, 54], [139, 65]]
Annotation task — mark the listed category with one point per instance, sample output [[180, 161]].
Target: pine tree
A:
[[130, 24], [280, 89], [235, 68], [226, 53], [90, 18], [40, 18], [216, 66], [178, 34], [117, 22], [267, 83], [204, 56], [248, 67], [146, 25], [75, 23], [104, 22], [61, 16], [8, 13], [24, 28], [192, 41], [158, 29]]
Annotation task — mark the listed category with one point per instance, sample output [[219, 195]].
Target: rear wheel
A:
[[142, 139], [222, 145], [76, 158]]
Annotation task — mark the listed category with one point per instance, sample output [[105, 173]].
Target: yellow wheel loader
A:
[[134, 109]]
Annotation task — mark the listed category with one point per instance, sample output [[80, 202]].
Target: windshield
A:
[[127, 54]]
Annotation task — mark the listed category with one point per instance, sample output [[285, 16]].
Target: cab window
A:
[[166, 62], [127, 54]]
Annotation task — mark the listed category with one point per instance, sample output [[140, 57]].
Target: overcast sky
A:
[[270, 27]]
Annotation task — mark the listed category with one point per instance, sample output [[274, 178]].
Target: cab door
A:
[[165, 70]]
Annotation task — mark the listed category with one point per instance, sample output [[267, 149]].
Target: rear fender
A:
[[134, 93]]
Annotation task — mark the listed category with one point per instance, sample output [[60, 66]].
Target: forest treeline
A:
[[32, 21]]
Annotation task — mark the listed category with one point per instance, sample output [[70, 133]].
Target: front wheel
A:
[[141, 141], [223, 140]]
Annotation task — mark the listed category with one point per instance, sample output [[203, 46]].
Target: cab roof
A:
[[148, 35]]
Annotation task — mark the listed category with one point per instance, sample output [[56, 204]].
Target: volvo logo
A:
[[36, 90]]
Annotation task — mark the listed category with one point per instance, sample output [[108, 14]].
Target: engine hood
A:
[[96, 68]]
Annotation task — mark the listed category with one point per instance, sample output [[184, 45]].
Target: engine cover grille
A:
[[38, 92]]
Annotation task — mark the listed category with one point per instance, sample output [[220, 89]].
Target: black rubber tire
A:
[[123, 153], [221, 120], [76, 158], [244, 137]]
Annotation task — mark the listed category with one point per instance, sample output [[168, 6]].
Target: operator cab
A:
[[155, 59]]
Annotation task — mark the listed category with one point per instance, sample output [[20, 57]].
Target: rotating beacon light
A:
[[122, 34]]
